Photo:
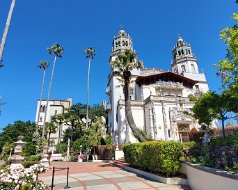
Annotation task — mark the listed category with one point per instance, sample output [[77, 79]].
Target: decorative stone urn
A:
[[16, 158]]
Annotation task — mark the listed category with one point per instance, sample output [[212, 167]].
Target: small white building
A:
[[158, 98], [55, 107]]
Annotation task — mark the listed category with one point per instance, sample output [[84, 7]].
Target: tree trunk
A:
[[48, 97], [5, 32], [41, 91], [223, 127], [89, 63], [49, 138], [129, 116]]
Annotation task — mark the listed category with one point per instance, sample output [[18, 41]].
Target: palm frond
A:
[[56, 49], [90, 53], [43, 65]]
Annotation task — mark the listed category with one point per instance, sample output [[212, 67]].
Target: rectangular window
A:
[[55, 112]]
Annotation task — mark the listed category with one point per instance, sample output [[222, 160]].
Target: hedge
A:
[[156, 156]]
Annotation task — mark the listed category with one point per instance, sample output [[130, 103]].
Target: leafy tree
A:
[[91, 136], [124, 63], [43, 65], [202, 110], [73, 120], [19, 128], [81, 143], [90, 54], [78, 109], [29, 149], [210, 106], [50, 128], [72, 134], [228, 68], [77, 112], [61, 148], [57, 51], [96, 131], [97, 111]]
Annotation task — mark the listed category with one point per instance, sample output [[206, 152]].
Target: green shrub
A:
[[157, 156], [227, 141], [189, 145], [81, 143], [28, 164], [35, 157], [220, 153]]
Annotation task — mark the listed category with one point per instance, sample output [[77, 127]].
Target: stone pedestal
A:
[[44, 159]]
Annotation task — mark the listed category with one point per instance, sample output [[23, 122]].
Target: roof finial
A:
[[179, 36]]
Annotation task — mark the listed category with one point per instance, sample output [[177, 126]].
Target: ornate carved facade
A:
[[159, 98]]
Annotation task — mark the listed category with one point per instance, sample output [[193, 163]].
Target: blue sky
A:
[[153, 25]]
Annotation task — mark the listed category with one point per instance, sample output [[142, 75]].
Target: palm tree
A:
[[124, 63], [57, 51], [90, 54], [5, 32], [59, 119], [43, 65], [50, 128]]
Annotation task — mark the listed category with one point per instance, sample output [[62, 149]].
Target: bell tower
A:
[[121, 42], [184, 60], [185, 63]]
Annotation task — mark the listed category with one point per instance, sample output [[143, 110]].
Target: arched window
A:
[[182, 51], [183, 68], [193, 68], [179, 52]]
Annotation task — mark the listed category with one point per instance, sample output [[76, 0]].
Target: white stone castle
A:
[[158, 98]]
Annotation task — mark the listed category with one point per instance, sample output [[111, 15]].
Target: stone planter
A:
[[205, 178]]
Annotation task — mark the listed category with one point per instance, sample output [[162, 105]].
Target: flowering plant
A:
[[16, 177]]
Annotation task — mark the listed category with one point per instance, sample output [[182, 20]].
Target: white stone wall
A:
[[125, 134]]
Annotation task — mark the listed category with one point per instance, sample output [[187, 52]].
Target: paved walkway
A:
[[101, 176]]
